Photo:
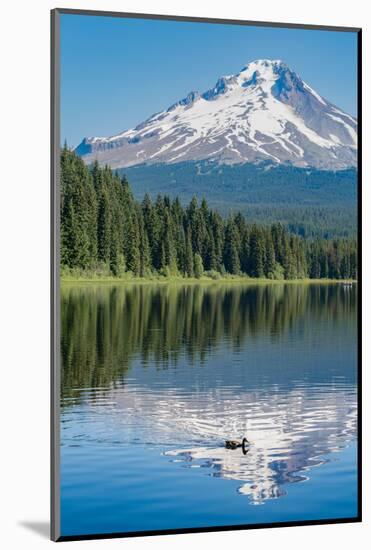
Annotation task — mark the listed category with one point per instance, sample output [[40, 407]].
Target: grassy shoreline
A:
[[195, 281]]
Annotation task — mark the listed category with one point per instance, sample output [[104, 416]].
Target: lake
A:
[[156, 376]]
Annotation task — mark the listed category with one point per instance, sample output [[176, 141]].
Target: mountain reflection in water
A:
[[182, 368]]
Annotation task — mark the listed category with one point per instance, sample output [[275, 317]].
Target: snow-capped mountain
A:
[[265, 112]]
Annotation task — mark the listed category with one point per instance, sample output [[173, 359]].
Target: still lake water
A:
[[156, 377]]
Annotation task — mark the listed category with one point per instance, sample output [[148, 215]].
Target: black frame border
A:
[[55, 526]]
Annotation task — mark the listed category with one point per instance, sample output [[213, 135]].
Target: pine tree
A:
[[212, 262], [189, 255], [144, 249], [104, 225], [198, 266], [278, 241], [245, 253], [218, 238], [288, 262], [132, 246], [231, 256], [270, 259], [177, 217], [153, 227], [256, 253], [168, 241]]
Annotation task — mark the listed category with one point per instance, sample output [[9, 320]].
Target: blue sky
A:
[[117, 72]]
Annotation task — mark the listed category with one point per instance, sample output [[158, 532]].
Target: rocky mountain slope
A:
[[266, 112]]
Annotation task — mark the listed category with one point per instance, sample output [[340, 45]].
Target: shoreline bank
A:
[[194, 281]]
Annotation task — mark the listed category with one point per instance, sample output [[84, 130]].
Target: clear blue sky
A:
[[117, 72]]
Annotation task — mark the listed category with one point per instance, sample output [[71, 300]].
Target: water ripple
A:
[[289, 430]]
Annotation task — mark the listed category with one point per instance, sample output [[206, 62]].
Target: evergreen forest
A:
[[105, 231]]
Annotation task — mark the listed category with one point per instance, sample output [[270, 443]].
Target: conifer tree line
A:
[[104, 230]]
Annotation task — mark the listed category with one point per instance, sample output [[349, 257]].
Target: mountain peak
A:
[[268, 70], [264, 63], [265, 67], [264, 112]]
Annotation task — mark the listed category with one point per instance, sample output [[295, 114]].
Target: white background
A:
[[24, 253]]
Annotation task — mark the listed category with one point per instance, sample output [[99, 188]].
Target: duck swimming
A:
[[235, 444]]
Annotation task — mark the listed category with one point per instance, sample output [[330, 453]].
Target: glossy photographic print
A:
[[206, 287]]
